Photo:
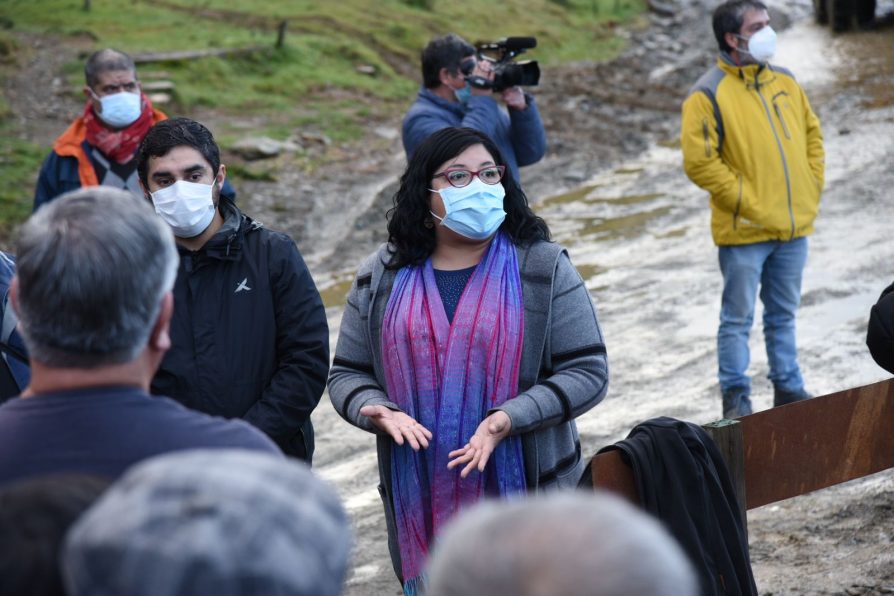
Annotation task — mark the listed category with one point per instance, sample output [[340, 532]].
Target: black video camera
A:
[[506, 72]]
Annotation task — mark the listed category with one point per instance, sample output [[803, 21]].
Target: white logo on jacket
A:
[[243, 286]]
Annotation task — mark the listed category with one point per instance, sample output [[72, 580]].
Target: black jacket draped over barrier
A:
[[682, 479], [880, 332]]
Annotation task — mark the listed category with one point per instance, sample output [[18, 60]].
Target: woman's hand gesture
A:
[[478, 450], [398, 425]]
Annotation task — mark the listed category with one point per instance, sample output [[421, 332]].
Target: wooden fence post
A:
[[727, 435], [281, 34]]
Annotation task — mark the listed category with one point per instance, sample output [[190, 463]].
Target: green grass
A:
[[19, 163], [325, 44], [311, 84]]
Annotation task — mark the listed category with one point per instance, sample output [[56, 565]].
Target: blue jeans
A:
[[777, 266]]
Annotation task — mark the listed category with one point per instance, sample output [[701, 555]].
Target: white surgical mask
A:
[[762, 45], [120, 109], [474, 211], [188, 207]]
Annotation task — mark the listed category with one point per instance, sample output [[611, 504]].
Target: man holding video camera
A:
[[459, 90]]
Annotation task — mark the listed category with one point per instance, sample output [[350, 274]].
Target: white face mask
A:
[[120, 109], [761, 45], [188, 207]]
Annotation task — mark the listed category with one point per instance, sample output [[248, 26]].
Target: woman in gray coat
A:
[[469, 344]]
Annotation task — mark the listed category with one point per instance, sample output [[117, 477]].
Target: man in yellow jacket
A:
[[751, 140]]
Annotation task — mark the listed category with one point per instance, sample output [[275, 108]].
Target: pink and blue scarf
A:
[[448, 376]]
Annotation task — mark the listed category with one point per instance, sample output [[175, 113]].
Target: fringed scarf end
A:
[[414, 586]]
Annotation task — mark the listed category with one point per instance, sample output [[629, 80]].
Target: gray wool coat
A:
[[564, 370]]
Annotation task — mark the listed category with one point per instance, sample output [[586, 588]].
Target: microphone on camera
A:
[[514, 44]]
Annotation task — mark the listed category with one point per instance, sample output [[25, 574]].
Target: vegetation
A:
[[342, 64]]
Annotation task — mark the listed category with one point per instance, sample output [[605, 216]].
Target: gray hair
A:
[[93, 266], [587, 544], [728, 18], [221, 522], [107, 60]]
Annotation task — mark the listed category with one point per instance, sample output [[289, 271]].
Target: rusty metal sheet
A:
[[805, 446]]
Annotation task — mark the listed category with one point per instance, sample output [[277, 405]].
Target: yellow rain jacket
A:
[[750, 139]]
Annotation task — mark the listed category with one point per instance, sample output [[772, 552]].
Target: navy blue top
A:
[[103, 430], [451, 285]]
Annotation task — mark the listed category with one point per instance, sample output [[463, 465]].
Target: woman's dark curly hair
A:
[[411, 241]]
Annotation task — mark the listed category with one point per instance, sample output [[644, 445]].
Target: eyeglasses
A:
[[460, 178]]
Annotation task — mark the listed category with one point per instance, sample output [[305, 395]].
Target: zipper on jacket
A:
[[782, 121], [738, 204], [788, 182], [707, 134]]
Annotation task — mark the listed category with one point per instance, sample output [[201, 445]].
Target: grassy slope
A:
[[312, 83]]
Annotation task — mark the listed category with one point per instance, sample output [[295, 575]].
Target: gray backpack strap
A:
[[9, 321], [9, 317], [708, 84]]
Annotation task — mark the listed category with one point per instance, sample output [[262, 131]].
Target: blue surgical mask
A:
[[463, 94], [120, 109], [474, 211]]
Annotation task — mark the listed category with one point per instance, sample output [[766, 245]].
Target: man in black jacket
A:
[[249, 335]]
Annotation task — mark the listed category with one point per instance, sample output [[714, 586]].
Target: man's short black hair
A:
[[728, 18], [107, 60], [443, 52], [176, 132]]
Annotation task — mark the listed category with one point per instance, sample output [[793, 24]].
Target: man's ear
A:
[[146, 194], [91, 97], [732, 40], [221, 175], [444, 76], [160, 337]]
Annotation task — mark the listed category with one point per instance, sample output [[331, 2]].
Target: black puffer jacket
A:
[[249, 333]]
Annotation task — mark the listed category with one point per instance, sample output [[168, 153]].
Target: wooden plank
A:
[[791, 450], [611, 473], [185, 55], [730, 441], [813, 444]]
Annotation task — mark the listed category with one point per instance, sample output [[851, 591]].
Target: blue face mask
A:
[[463, 94], [474, 211], [121, 109]]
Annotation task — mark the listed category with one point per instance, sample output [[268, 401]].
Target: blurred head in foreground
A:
[[228, 523], [581, 544]]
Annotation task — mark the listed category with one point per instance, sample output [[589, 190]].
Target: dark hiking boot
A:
[[782, 397], [736, 402]]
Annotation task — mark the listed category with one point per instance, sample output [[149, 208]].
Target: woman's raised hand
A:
[[478, 450], [398, 425]]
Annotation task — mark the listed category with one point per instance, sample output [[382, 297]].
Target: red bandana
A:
[[119, 145]]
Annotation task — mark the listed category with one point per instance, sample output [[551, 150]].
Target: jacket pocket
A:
[[785, 130], [738, 202]]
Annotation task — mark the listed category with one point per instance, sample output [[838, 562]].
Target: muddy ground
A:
[[612, 190]]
